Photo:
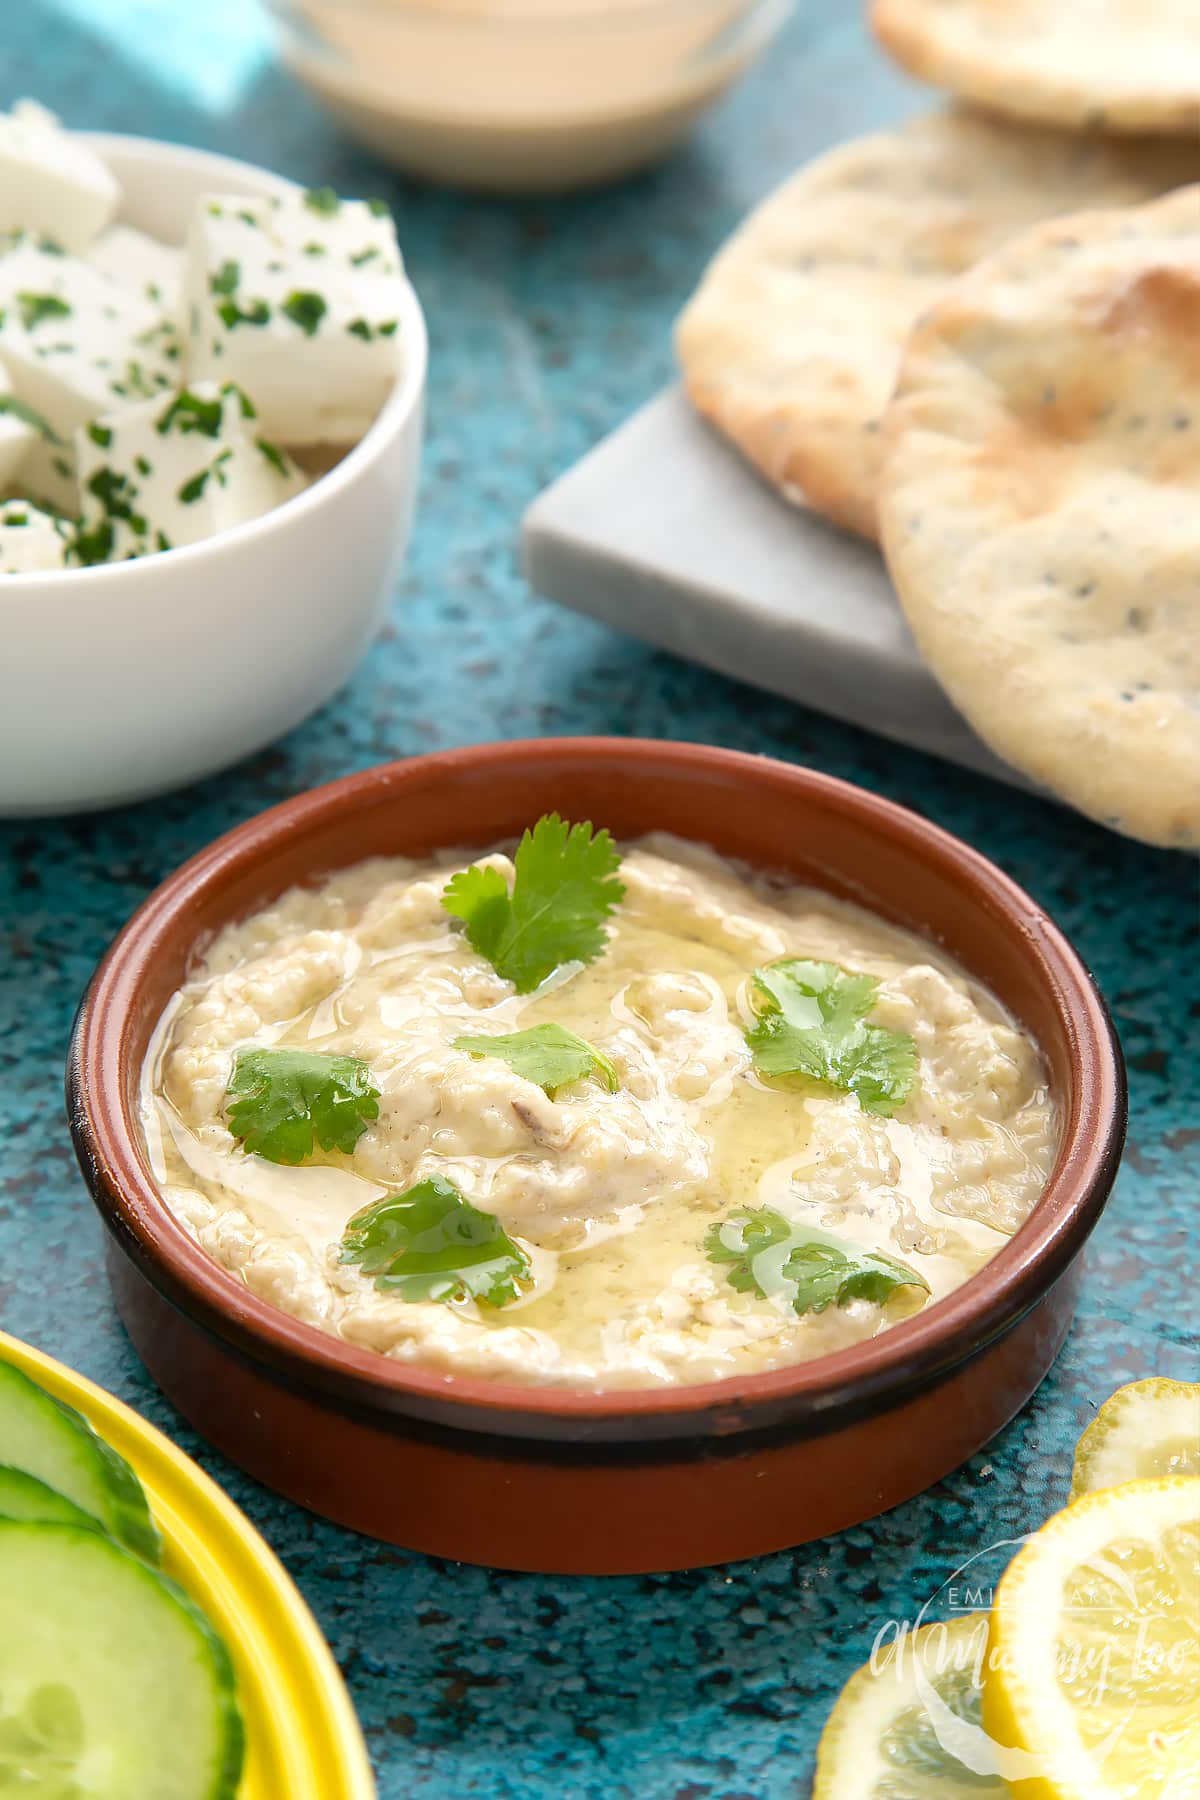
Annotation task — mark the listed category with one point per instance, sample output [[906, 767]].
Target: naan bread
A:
[[1040, 508], [1094, 65], [791, 345]]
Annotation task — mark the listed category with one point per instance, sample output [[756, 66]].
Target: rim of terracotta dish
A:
[[907, 1356]]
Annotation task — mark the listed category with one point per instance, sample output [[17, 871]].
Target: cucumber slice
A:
[[44, 1438], [23, 1496], [112, 1685]]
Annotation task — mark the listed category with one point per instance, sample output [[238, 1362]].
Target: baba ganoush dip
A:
[[695, 1203]]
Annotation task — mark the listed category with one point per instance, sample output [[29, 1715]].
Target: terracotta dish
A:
[[558, 1479]]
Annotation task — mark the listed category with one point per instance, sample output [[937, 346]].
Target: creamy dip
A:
[[610, 1195]]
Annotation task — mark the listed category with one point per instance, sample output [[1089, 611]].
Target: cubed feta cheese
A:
[[297, 299], [18, 429], [51, 184], [30, 540], [74, 345], [141, 265], [176, 470]]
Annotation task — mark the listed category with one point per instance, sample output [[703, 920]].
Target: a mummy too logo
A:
[[942, 1656]]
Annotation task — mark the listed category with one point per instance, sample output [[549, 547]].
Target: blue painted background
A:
[[550, 322]]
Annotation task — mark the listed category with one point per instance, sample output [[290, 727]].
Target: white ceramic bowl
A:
[[124, 680]]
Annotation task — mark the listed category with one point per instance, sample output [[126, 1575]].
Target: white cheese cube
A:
[[297, 299], [51, 184], [73, 344], [18, 429], [176, 470], [141, 265], [47, 475], [30, 540]]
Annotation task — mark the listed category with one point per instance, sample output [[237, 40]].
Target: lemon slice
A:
[[888, 1736], [1094, 1660], [1150, 1428]]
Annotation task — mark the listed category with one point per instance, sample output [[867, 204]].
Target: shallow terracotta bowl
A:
[[562, 1479]]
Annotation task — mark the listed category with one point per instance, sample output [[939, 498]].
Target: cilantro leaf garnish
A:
[[548, 1055], [322, 200], [565, 886], [810, 1021], [766, 1254], [429, 1243], [283, 1102]]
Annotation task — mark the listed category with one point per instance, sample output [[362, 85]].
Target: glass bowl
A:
[[521, 95]]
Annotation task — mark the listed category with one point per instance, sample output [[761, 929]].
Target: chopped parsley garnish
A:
[[19, 410], [226, 279], [565, 886], [364, 256], [116, 494], [360, 329], [100, 434], [379, 208], [190, 411], [322, 200], [548, 1055], [248, 218], [388, 328], [429, 1243], [193, 489], [93, 545], [35, 308], [16, 518], [273, 454], [315, 249], [764, 1253], [810, 1021], [284, 1102], [232, 315], [304, 309]]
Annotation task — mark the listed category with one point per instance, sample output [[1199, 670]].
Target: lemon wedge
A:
[[1093, 1668], [1148, 1429], [892, 1732]]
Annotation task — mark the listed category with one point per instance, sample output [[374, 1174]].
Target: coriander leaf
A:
[[740, 1239], [284, 1101], [191, 412], [226, 279], [304, 309], [826, 1274], [430, 1244], [231, 314], [564, 888], [767, 1254], [810, 1021], [322, 200], [273, 454], [548, 1055]]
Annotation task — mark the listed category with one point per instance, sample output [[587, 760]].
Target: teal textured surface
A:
[[549, 323]]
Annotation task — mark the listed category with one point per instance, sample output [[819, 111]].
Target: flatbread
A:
[[1040, 508], [1095, 65], [792, 342]]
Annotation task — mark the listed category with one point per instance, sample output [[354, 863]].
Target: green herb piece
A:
[[18, 409], [93, 545], [282, 1102], [548, 1055], [100, 435], [273, 454], [143, 466], [810, 1021], [360, 329], [315, 249], [226, 279], [365, 256], [193, 488], [37, 307], [116, 494], [565, 886], [378, 208], [16, 518], [248, 218], [304, 309], [232, 315], [764, 1253], [388, 328], [189, 412], [322, 200], [430, 1244], [49, 246], [161, 541], [62, 467]]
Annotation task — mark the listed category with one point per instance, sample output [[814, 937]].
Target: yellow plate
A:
[[302, 1736]]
